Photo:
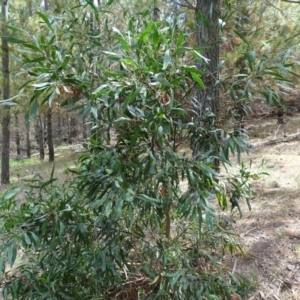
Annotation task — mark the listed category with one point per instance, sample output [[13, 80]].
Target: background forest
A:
[[160, 96]]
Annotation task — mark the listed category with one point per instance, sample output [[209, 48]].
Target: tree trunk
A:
[[17, 134], [46, 5], [49, 134], [30, 10], [5, 176], [84, 133], [28, 145], [39, 131], [207, 38], [45, 126], [73, 130], [59, 133]]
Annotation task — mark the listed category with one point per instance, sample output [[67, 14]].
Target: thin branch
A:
[[291, 1], [188, 4], [274, 6]]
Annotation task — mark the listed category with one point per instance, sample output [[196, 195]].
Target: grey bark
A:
[[49, 134], [84, 133], [30, 10], [5, 172], [73, 129], [28, 144], [17, 134], [59, 133], [39, 132], [207, 13], [46, 5], [207, 38]]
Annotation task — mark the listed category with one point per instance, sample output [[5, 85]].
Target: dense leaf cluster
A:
[[138, 220]]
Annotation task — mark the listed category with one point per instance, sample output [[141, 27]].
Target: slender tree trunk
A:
[[45, 126], [28, 145], [30, 10], [84, 133], [39, 131], [207, 38], [59, 125], [17, 134], [73, 129], [5, 174], [50, 135], [46, 5]]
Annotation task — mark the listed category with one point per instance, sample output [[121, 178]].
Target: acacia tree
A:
[[5, 176]]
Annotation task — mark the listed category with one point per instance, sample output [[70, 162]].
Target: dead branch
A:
[[285, 139]]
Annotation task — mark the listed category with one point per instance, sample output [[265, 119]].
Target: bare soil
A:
[[270, 232]]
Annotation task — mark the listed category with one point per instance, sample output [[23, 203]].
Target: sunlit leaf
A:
[[167, 59], [46, 20]]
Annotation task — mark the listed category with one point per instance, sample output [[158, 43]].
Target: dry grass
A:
[[24, 169]]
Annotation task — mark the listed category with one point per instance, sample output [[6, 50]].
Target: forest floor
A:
[[270, 232], [24, 169]]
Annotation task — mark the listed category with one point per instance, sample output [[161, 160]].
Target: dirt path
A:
[[270, 232]]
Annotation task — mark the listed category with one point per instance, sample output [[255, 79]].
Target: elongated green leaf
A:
[[175, 278], [131, 97], [155, 38], [13, 28], [179, 111], [101, 87], [198, 80], [33, 110], [38, 59], [7, 103], [163, 82], [27, 239], [1, 265], [51, 97], [10, 194], [135, 112], [13, 40], [148, 199], [192, 69], [11, 255], [167, 59], [31, 46], [197, 54], [112, 55], [40, 85], [180, 39], [46, 20], [65, 62], [240, 35], [35, 238]]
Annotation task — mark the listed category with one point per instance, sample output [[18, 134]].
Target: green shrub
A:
[[124, 227]]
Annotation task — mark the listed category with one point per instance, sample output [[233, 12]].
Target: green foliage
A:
[[125, 225]]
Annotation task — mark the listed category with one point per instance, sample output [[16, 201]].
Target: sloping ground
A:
[[270, 232], [25, 169]]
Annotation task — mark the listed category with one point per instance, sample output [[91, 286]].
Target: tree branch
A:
[[187, 4], [291, 1]]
